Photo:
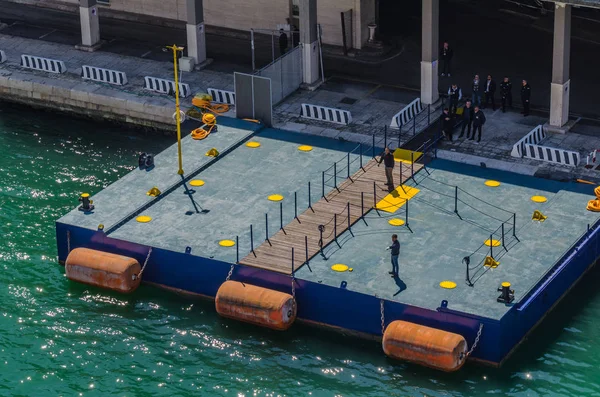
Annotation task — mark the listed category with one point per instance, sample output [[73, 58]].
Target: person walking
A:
[[478, 122], [454, 95], [506, 93], [490, 91], [395, 251], [283, 42], [467, 117], [477, 89], [446, 54], [525, 95], [388, 161], [447, 124]]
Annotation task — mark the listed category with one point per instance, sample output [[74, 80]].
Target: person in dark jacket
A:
[[447, 124], [446, 54], [506, 93], [477, 90], [454, 95], [395, 251], [467, 117], [490, 91], [525, 95], [283, 42], [387, 157], [478, 122]]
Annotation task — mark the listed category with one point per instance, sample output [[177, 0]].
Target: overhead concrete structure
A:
[[309, 42], [429, 51], [559, 93], [90, 25], [196, 36], [582, 3]]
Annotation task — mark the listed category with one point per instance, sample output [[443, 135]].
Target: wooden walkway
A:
[[276, 253]]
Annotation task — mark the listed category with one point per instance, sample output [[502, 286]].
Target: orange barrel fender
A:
[[256, 305], [102, 269], [427, 346]]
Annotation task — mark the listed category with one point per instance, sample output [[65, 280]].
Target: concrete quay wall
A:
[[85, 99]]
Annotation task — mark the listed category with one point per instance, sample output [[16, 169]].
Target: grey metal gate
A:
[[253, 98], [285, 74]]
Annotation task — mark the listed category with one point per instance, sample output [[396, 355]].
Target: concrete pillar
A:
[[429, 51], [90, 25], [309, 41], [196, 38], [559, 90]]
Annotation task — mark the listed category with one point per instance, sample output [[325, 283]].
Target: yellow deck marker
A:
[[448, 284], [396, 222], [275, 197], [404, 155], [396, 199], [493, 243], [253, 144], [305, 148], [197, 182], [491, 183], [143, 219], [539, 199], [339, 267], [226, 243]]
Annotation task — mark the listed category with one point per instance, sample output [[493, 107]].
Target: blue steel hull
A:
[[349, 311]]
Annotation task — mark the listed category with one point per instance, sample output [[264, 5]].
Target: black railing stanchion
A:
[[335, 227], [374, 195], [237, 249], [514, 224], [503, 244], [491, 246], [456, 199], [362, 204], [401, 172], [360, 149], [323, 184], [321, 242], [309, 198], [406, 215], [306, 247], [267, 228], [412, 168], [349, 223], [252, 241], [335, 175], [281, 215], [295, 205], [348, 173], [293, 261]]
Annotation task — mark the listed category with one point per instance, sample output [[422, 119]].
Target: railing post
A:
[[406, 214], [456, 199], [306, 247], [323, 184], [267, 227], [514, 224], [295, 205], [503, 244], [237, 250], [252, 241], [293, 261], [362, 204], [348, 173], [309, 198], [349, 223], [321, 240], [491, 246], [335, 175], [373, 145], [335, 227], [401, 172], [374, 195], [281, 214]]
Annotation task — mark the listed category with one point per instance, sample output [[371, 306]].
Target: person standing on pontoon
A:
[[395, 250], [388, 160]]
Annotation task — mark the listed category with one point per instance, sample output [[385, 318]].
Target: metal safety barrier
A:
[[533, 137], [552, 155], [164, 86], [322, 113], [409, 112], [2, 56], [222, 96], [103, 75], [43, 64]]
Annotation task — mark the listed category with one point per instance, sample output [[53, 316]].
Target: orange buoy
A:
[[103, 269], [426, 346], [256, 305]]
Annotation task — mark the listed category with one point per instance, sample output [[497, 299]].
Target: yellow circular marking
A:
[[197, 182], [491, 183], [506, 284], [275, 197], [539, 199], [253, 144], [305, 148], [493, 243], [448, 284], [338, 267], [85, 195], [226, 243], [396, 222], [143, 219]]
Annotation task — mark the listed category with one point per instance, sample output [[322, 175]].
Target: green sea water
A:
[[61, 338]]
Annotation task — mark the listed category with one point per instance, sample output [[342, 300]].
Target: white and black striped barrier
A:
[[322, 113], [43, 64], [533, 137], [164, 86], [552, 155], [222, 96], [2, 56], [409, 112], [103, 75]]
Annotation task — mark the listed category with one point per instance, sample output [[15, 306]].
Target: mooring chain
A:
[[68, 242], [144, 266], [476, 340], [382, 318], [230, 272]]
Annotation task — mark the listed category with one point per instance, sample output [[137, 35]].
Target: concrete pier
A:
[[90, 26], [559, 91], [309, 41], [196, 37], [429, 51]]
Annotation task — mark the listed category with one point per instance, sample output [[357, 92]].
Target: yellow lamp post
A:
[[175, 48]]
